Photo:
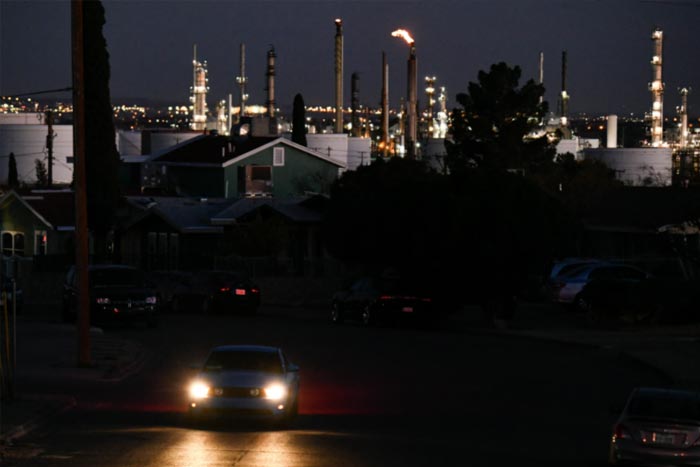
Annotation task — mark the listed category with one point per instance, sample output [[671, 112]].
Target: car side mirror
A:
[[292, 367]]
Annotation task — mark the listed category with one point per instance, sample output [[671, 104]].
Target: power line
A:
[[40, 92]]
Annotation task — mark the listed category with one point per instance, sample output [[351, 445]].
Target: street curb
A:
[[121, 372], [54, 405]]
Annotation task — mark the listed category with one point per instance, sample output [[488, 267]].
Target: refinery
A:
[[668, 151]]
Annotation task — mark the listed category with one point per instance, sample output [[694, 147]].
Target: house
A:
[[201, 233], [169, 232], [215, 166], [38, 227]]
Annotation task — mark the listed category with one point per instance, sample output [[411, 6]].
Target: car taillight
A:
[[240, 292], [224, 289], [621, 432], [385, 297], [427, 300], [254, 290]]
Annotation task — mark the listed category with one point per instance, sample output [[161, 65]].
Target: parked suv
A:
[[117, 293]]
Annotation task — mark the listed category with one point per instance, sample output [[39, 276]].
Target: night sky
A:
[[150, 44]]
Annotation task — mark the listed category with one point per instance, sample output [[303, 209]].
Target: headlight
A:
[[275, 392], [102, 301], [151, 300], [199, 390]]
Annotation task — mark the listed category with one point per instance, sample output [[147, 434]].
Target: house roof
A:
[[185, 215], [294, 209], [644, 209], [209, 149], [55, 208], [222, 151]]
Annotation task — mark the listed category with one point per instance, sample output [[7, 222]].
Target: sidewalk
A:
[[48, 352]]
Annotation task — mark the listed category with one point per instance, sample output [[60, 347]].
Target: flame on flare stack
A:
[[403, 34]]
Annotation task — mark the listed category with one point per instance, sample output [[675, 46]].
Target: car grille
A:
[[238, 392]]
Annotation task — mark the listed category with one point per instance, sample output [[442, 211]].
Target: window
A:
[[278, 157], [40, 242], [13, 244]]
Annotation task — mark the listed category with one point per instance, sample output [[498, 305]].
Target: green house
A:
[[223, 167]]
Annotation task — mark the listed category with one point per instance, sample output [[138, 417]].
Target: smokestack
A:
[[541, 74], [338, 76], [385, 104], [564, 95], [657, 90], [355, 104], [270, 82], [242, 80], [412, 108], [612, 131]]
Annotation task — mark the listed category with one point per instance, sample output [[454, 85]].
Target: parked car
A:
[[246, 381], [657, 426], [566, 289], [169, 284], [117, 293], [210, 291], [648, 299], [386, 298]]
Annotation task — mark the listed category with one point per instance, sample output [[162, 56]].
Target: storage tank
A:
[[636, 166], [359, 152], [612, 131], [28, 143]]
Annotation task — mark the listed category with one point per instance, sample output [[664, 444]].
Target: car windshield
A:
[[665, 406], [241, 360], [115, 277]]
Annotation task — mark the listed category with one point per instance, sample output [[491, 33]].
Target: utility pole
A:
[[49, 147], [81, 230]]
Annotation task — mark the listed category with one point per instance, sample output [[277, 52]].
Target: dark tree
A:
[[42, 176], [102, 159], [299, 121], [12, 178], [494, 127]]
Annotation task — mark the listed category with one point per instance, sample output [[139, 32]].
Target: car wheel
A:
[[582, 305], [337, 314], [205, 306], [367, 316]]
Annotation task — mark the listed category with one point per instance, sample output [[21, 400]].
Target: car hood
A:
[[248, 379]]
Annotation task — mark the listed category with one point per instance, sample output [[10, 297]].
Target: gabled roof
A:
[[286, 142], [185, 215], [294, 209], [55, 208], [222, 151], [209, 149]]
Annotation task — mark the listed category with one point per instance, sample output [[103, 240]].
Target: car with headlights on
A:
[[658, 426], [245, 382], [118, 293]]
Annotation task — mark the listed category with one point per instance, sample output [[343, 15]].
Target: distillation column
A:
[[270, 74], [198, 96], [657, 90]]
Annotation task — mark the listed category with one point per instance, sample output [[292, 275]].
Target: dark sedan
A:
[[658, 426], [385, 299], [215, 291], [117, 293]]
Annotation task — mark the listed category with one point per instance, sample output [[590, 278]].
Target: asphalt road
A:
[[369, 397]]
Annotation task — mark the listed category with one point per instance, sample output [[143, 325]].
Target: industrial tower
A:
[[657, 90], [198, 94]]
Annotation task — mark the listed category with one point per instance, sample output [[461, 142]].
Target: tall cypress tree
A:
[[299, 121], [102, 158], [12, 178]]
